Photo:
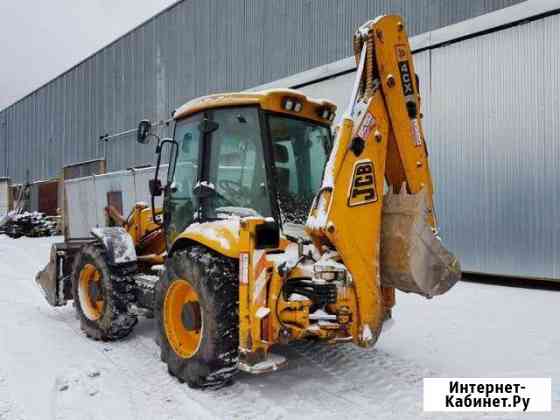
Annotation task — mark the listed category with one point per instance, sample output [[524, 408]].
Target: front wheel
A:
[[196, 312], [102, 295]]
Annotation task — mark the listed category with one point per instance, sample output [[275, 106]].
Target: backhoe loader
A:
[[272, 229]]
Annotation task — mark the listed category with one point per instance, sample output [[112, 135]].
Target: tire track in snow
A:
[[150, 391], [137, 357], [232, 400], [9, 410], [353, 382], [376, 379], [370, 378], [321, 381]]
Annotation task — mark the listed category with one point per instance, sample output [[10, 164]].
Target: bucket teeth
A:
[[413, 258]]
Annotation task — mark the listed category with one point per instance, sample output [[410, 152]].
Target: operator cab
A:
[[247, 154]]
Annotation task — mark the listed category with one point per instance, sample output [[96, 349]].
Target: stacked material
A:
[[28, 224]]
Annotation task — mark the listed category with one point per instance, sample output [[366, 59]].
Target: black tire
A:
[[215, 280], [117, 288]]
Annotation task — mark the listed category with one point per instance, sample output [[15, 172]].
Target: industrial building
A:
[[488, 78], [191, 49]]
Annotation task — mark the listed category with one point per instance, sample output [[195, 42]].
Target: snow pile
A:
[[34, 224]]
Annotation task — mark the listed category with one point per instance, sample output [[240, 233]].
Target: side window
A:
[[180, 203], [318, 144], [285, 163], [186, 167], [300, 150]]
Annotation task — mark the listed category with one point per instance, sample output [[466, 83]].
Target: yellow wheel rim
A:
[[90, 292], [182, 318]]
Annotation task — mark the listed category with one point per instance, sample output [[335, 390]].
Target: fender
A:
[[117, 243], [221, 236]]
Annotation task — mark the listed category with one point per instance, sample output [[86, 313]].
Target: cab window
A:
[[181, 204], [236, 167], [300, 151]]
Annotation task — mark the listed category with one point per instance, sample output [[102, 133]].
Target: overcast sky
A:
[[39, 39]]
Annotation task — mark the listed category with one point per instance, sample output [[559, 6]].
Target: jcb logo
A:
[[362, 189]]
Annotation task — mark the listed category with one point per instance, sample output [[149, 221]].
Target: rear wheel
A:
[[102, 295], [196, 311]]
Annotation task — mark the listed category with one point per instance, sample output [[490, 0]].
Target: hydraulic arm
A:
[[384, 239]]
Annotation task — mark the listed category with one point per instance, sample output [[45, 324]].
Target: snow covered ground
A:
[[50, 370]]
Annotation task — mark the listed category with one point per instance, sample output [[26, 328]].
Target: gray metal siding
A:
[[493, 128], [191, 49]]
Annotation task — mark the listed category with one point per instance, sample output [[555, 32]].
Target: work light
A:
[[288, 104]]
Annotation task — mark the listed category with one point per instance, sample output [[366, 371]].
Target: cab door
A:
[[234, 165], [180, 204]]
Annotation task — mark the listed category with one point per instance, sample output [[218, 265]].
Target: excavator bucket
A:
[[413, 258]]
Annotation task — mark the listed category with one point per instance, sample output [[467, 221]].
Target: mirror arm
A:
[[156, 177]]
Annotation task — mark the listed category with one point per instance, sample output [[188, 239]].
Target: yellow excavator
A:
[[272, 229]]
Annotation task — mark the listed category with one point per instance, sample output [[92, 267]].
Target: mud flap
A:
[[51, 278], [413, 258]]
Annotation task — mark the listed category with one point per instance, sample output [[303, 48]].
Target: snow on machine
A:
[[271, 230]]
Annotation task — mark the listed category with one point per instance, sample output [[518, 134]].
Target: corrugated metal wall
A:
[[191, 49], [494, 133]]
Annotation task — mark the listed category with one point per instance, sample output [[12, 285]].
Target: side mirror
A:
[[144, 131], [156, 189]]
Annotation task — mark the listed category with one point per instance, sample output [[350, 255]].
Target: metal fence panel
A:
[[87, 197], [121, 183], [141, 180], [4, 196], [81, 203]]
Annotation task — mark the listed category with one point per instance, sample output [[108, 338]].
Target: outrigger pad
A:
[[413, 258]]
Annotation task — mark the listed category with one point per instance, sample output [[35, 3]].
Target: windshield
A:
[[300, 151], [236, 167]]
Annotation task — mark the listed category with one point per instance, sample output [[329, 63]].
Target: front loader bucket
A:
[[413, 258], [50, 278]]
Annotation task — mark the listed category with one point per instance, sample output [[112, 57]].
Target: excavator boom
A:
[[384, 239]]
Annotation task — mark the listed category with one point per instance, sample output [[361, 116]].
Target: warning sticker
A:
[[415, 131], [401, 52], [367, 124]]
